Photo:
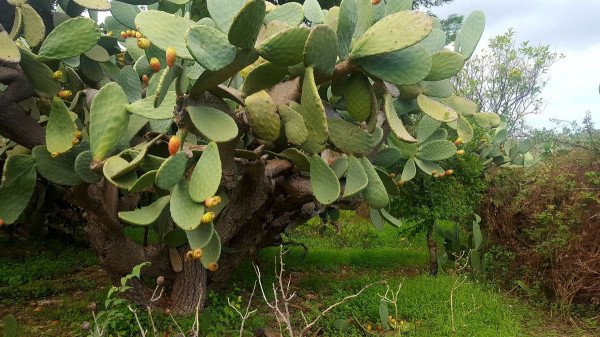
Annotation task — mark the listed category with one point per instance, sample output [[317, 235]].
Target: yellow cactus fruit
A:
[[213, 267], [460, 152], [55, 154], [197, 254], [78, 135], [75, 141], [208, 217], [171, 56], [155, 64], [189, 255], [143, 43], [124, 35], [212, 201], [110, 33], [129, 32], [57, 75], [138, 35]]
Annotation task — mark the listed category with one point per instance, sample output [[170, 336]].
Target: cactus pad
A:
[[212, 250], [209, 47], [18, 183], [313, 12], [60, 130], [293, 124], [130, 83], [403, 67], [291, 13], [246, 24], [487, 119], [206, 177], [375, 194], [445, 64], [114, 165], [185, 212], [340, 166], [468, 36], [436, 150], [428, 166], [145, 107], [324, 182], [166, 79], [82, 168], [34, 30], [263, 77], [165, 30], [346, 24], [285, 47], [358, 97], [215, 124], [409, 171], [108, 119], [144, 182], [223, 12], [296, 157], [96, 5], [312, 110], [436, 110], [262, 116], [58, 170], [427, 126], [199, 237], [435, 41], [395, 122], [38, 74], [71, 38], [320, 50], [464, 129], [462, 105], [356, 178], [171, 171], [146, 215], [349, 138]]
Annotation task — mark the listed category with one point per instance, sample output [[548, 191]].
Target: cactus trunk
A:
[[432, 246]]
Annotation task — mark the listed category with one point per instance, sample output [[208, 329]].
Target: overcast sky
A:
[[569, 27]]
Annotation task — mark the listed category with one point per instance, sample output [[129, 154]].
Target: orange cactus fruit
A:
[[171, 56], [145, 79], [375, 2], [138, 35], [55, 154], [155, 64], [197, 254], [124, 35], [449, 172], [212, 201], [174, 145], [458, 141], [65, 94], [143, 43], [78, 135], [213, 267]]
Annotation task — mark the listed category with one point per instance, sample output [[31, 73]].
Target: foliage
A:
[[508, 78], [568, 135]]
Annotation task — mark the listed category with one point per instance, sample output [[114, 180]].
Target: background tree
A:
[[508, 78]]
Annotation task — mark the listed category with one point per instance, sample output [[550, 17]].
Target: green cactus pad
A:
[[286, 47], [436, 110], [387, 157], [313, 11], [108, 119], [166, 79], [340, 166], [83, 170], [211, 79], [464, 129], [356, 178], [462, 105], [200, 236], [171, 171], [71, 38], [346, 24], [61, 129], [206, 178], [291, 13], [365, 17], [214, 124], [296, 157], [313, 110], [468, 36], [58, 170], [165, 30], [500, 137], [96, 5], [247, 23], [394, 32], [439, 134], [209, 47], [112, 166], [525, 146], [394, 6], [145, 107], [125, 13], [112, 25], [403, 67], [262, 116], [38, 74], [434, 42], [440, 89], [427, 126], [18, 182], [428, 166], [324, 182], [331, 17], [211, 251], [388, 182], [487, 119], [375, 194], [408, 150], [144, 182], [409, 171], [358, 97], [185, 212], [320, 50], [293, 124], [33, 30], [176, 238], [129, 81], [445, 64], [146, 215], [395, 123], [349, 138], [436, 150], [223, 12], [263, 77], [98, 54], [17, 24]]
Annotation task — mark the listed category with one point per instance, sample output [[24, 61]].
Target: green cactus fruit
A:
[[295, 130], [165, 30], [291, 13], [201, 236], [324, 182], [387, 157], [166, 79], [436, 150], [313, 110], [436, 110], [112, 166], [206, 177], [349, 138], [211, 79], [262, 116], [82, 168], [358, 97], [313, 11], [58, 170], [409, 171], [129, 81], [296, 157], [144, 182], [33, 30], [395, 123], [18, 182], [427, 126], [108, 119], [285, 47], [428, 167], [60, 129], [346, 25], [340, 166], [434, 42], [468, 36], [445, 64], [209, 47], [394, 32], [375, 194], [71, 38], [145, 107], [462, 105], [388, 182], [403, 67], [125, 13], [146, 215], [215, 124], [487, 120], [356, 178], [320, 50], [211, 251], [439, 89], [171, 171], [263, 77], [464, 129], [38, 74], [186, 213], [247, 23]]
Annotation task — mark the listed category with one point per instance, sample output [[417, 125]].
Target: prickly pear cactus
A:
[[165, 100]]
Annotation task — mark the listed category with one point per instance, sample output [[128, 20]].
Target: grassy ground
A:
[[48, 287]]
